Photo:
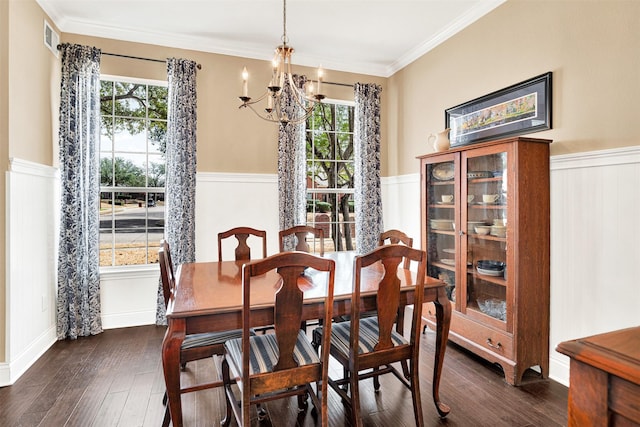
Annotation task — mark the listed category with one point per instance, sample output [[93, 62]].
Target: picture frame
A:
[[519, 109]]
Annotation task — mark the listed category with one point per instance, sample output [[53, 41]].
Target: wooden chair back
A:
[[396, 237], [242, 251], [300, 234], [166, 271]]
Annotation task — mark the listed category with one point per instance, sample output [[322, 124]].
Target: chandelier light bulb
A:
[[245, 82]]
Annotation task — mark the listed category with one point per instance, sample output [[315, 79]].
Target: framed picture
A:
[[516, 110]]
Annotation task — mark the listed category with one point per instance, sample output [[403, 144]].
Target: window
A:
[[133, 125], [330, 164]]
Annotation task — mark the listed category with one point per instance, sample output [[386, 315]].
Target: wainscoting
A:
[[32, 217], [595, 230]]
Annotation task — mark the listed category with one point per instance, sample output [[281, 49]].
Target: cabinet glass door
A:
[[442, 202], [484, 237]]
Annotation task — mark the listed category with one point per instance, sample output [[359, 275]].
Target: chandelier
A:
[[305, 97]]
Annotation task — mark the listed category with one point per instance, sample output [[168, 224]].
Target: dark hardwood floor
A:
[[115, 379]]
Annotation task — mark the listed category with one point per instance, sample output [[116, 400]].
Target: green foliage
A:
[[121, 173], [318, 206]]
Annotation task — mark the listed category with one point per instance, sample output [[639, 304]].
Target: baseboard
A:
[[559, 371], [5, 375], [10, 372], [125, 320]]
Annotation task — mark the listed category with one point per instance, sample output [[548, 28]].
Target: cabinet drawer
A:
[[495, 341]]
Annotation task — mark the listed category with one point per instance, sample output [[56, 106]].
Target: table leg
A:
[[171, 366], [443, 320]]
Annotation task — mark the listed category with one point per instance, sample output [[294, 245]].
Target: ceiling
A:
[[375, 37]]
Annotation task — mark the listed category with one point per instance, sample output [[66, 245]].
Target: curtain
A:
[[78, 299], [366, 150], [180, 187], [291, 164]]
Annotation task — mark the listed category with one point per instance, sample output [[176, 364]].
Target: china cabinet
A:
[[485, 227]]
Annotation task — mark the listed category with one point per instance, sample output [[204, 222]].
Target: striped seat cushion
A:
[[264, 352], [369, 331], [210, 338]]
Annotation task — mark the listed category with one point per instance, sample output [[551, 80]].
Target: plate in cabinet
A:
[[443, 171]]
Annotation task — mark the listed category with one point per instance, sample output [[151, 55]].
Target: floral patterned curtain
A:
[[291, 164], [367, 192], [180, 187], [78, 299]]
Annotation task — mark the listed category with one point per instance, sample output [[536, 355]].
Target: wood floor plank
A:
[[110, 410], [138, 398]]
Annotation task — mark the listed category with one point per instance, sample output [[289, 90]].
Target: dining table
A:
[[208, 298]]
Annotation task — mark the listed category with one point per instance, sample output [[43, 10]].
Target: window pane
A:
[[106, 170], [156, 171], [157, 136], [130, 99], [129, 171], [131, 136], [345, 147], [106, 143], [158, 102]]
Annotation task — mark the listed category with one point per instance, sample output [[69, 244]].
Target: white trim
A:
[[127, 320], [15, 368], [588, 159], [5, 374], [457, 26], [411, 178], [134, 80], [129, 271], [30, 168]]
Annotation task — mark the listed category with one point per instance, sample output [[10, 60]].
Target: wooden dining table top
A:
[[197, 296]]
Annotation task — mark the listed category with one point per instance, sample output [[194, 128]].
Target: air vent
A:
[[51, 38]]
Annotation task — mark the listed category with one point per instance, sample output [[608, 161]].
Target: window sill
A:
[[129, 271]]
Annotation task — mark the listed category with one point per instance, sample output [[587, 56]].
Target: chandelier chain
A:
[[285, 39]]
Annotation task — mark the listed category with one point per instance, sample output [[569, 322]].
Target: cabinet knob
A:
[[491, 344]]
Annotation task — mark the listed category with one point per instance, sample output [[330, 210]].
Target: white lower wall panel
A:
[[225, 201], [31, 262]]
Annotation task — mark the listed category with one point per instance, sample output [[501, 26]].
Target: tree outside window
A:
[[133, 119], [330, 165]]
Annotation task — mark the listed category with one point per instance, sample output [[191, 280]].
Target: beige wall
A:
[[592, 48], [229, 139]]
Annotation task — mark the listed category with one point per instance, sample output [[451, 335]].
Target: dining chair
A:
[[281, 364], [243, 251], [367, 347], [195, 346], [394, 236], [300, 234]]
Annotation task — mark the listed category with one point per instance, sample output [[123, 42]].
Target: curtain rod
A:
[[198, 66], [333, 83]]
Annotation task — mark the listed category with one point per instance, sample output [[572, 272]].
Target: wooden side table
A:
[[604, 379]]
